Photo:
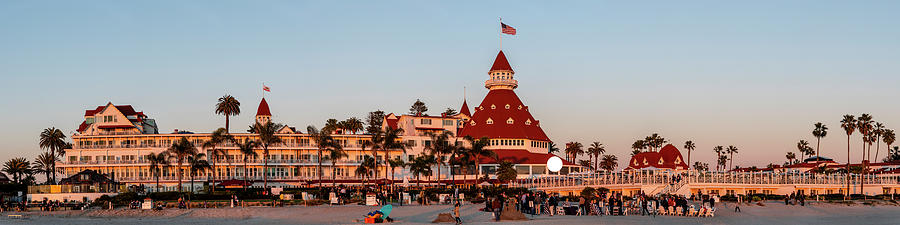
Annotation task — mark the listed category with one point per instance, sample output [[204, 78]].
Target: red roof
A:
[[127, 110], [263, 109], [115, 126], [500, 98], [392, 122], [500, 63], [83, 126], [671, 159], [465, 109], [519, 156]]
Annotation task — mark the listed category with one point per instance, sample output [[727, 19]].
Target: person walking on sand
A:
[[456, 213]]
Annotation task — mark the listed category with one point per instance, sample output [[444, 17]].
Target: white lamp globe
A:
[[554, 164]]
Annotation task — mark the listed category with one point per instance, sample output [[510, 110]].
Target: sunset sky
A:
[[753, 74]]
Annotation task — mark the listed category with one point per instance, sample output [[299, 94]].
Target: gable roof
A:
[[465, 109], [263, 109], [91, 177], [500, 63], [521, 128]]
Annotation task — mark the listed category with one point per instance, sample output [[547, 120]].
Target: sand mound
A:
[[444, 218], [510, 213]]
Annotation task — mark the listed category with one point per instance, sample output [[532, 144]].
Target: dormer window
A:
[[480, 108], [509, 121], [520, 107], [645, 161], [507, 106], [489, 121], [473, 123], [528, 122], [493, 107], [661, 161]]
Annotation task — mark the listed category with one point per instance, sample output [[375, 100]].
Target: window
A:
[[427, 143], [489, 121], [493, 107], [528, 122], [411, 143], [507, 106], [509, 121], [425, 121], [448, 123]]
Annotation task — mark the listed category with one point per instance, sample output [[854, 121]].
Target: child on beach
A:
[[456, 213]]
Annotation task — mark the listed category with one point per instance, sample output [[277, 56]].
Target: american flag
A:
[[266, 88], [506, 29]]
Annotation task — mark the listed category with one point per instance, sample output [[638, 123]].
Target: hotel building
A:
[[115, 139]]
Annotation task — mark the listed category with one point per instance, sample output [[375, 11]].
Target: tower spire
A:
[[501, 74]]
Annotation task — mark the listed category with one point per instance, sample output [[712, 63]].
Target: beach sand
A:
[[771, 213]]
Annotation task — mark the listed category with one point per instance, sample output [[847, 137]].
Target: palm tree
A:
[[54, 141], [689, 145], [324, 141], [197, 165], [353, 125], [574, 149], [228, 106], [552, 148], [365, 167], [478, 149], [335, 153], [421, 165], [181, 149], [391, 141], [790, 157], [802, 147], [394, 163], [723, 160], [849, 125], [246, 149], [609, 163], [506, 172], [595, 151], [44, 164], [440, 146], [719, 150], [217, 137], [864, 124], [638, 146], [888, 137], [878, 133], [18, 168], [375, 141], [267, 138], [157, 161], [331, 125], [731, 150], [819, 132]]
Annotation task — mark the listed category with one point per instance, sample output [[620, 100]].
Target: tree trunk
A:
[[178, 170], [319, 169], [157, 180], [333, 173], [265, 167], [246, 177], [227, 122], [848, 166]]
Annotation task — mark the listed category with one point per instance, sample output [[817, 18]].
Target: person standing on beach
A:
[[456, 213]]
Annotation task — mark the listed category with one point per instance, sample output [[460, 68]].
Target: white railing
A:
[[670, 178]]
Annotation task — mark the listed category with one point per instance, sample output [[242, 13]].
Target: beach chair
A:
[[692, 211], [560, 210], [670, 211], [711, 213], [660, 210], [678, 210]]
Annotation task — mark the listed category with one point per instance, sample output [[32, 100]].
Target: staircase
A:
[[673, 188]]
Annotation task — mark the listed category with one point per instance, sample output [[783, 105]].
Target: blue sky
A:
[[752, 74]]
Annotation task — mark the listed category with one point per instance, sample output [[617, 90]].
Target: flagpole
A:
[[501, 33]]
